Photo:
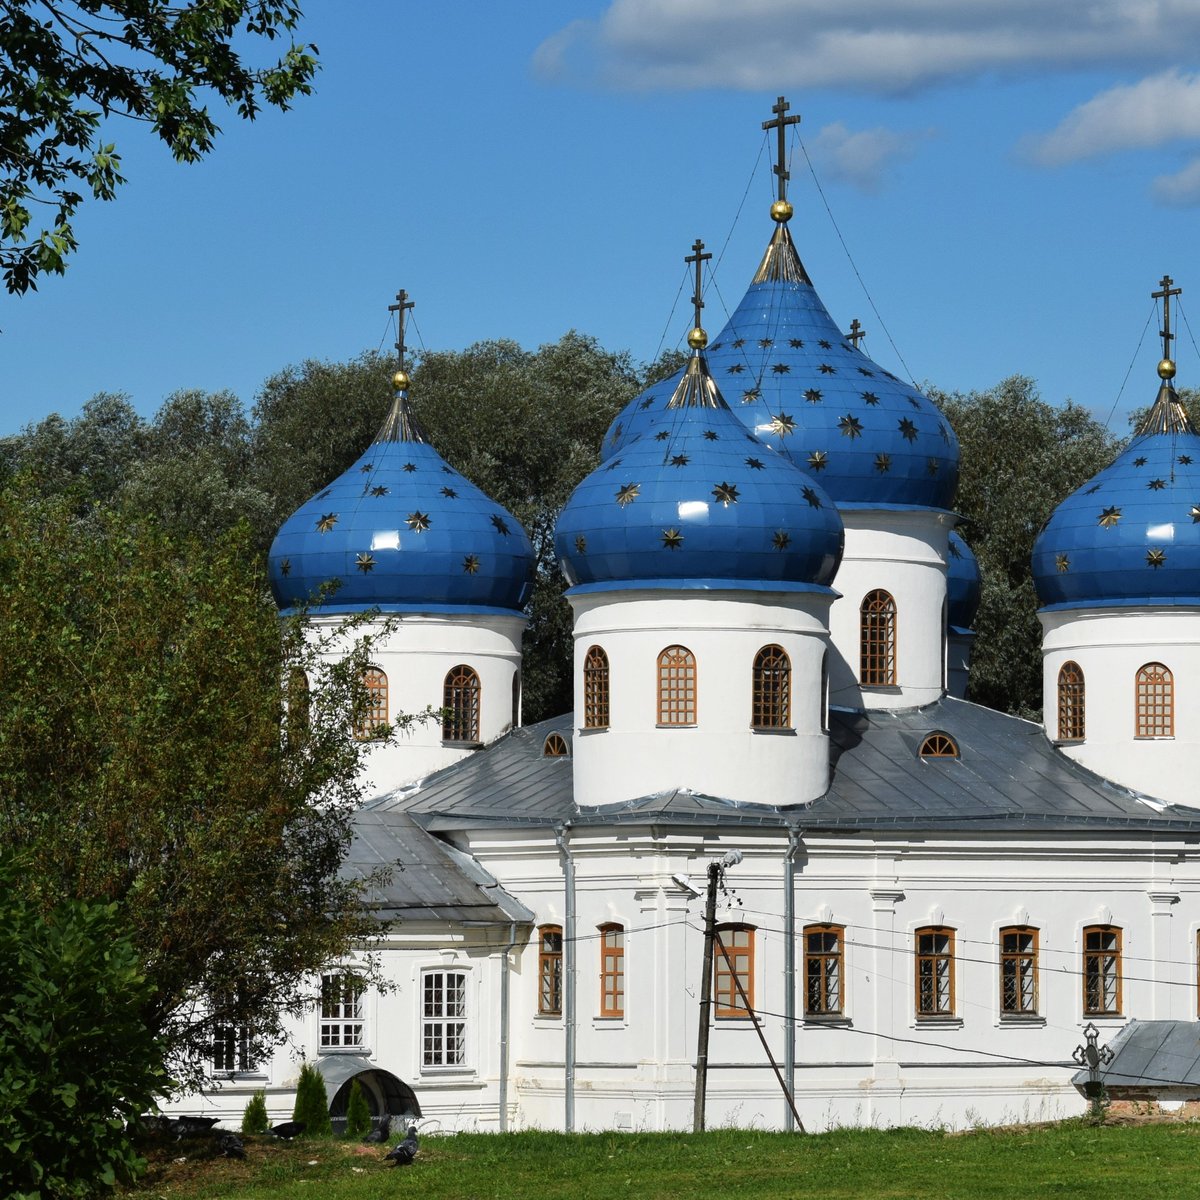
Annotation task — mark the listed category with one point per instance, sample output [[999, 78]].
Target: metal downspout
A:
[[789, 971], [560, 838], [504, 985]]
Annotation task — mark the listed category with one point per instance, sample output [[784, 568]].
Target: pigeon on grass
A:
[[402, 1154]]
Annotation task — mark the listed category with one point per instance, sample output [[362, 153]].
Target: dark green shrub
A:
[[77, 1062], [254, 1119], [358, 1112], [312, 1103]]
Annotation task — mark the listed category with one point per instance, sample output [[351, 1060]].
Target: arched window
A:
[[550, 954], [735, 966], [1101, 970], [825, 692], [1155, 702], [460, 699], [595, 689], [555, 746], [612, 971], [938, 745], [1019, 970], [822, 970], [1070, 703], [373, 717], [677, 686], [935, 971], [772, 707], [877, 665]]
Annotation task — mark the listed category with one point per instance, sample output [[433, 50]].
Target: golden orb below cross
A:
[[697, 339]]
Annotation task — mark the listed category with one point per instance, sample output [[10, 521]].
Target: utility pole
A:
[[710, 920]]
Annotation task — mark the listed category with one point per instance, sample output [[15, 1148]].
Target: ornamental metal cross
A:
[[780, 124], [1165, 296], [697, 257], [400, 308], [856, 334], [1092, 1055]]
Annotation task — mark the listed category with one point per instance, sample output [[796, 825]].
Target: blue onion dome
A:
[[805, 389], [964, 584], [402, 531], [1131, 534], [699, 503]]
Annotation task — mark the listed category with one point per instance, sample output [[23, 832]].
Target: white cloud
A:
[[1181, 190], [862, 158], [879, 46], [1159, 109]]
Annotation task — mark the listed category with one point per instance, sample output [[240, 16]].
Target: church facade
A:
[[919, 902]]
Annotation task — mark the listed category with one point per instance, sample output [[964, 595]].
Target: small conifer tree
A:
[[312, 1104], [254, 1119], [358, 1112]]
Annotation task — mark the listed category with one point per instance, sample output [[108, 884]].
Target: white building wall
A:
[[721, 754], [1111, 645], [905, 554]]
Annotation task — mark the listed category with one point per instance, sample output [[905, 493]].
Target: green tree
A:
[[77, 1060], [1021, 457], [312, 1103], [70, 66], [254, 1118], [142, 762], [358, 1112]]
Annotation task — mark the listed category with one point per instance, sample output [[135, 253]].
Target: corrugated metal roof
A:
[[1152, 1056], [1007, 777]]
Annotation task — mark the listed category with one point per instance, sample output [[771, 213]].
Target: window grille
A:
[[1155, 690], [738, 941], [595, 689], [877, 667], [444, 1019], [1101, 970], [676, 686], [341, 1011], [555, 746], [1070, 703], [822, 970], [231, 1048], [935, 972], [550, 954], [1019, 970], [938, 745], [612, 971], [460, 700], [772, 689], [375, 707]]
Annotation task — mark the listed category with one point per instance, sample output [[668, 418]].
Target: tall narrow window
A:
[[1019, 971], [738, 941], [877, 667], [935, 972], [516, 699], [1101, 970], [550, 954], [1070, 703], [677, 686], [231, 1048], [612, 971], [341, 1012], [373, 717], [460, 699], [822, 970], [1155, 699], [595, 689], [444, 1019], [772, 707]]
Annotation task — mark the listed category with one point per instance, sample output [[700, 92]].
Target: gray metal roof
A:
[[1007, 776], [428, 879], [1152, 1056]]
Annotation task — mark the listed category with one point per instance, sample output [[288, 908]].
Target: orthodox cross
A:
[[400, 308], [1165, 296], [698, 257], [1093, 1056], [856, 334], [780, 124]]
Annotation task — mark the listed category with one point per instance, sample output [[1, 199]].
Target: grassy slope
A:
[[1156, 1162]]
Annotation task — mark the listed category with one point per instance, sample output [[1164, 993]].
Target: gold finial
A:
[[697, 339], [400, 308], [1165, 332], [400, 380], [781, 210], [1166, 369]]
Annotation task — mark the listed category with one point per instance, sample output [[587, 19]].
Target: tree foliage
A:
[[77, 1060], [69, 67], [1021, 457]]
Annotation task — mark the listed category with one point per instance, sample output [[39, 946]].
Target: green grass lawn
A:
[[1071, 1159]]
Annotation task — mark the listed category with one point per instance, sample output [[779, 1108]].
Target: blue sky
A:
[[1011, 179]]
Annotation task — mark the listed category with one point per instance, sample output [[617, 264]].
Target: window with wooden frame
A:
[[938, 745], [738, 941], [1154, 697], [342, 1012], [372, 721], [772, 689], [444, 1019], [1101, 971], [935, 971], [460, 700], [555, 746], [1070, 703], [550, 956], [595, 688], [877, 657], [822, 970], [677, 686], [1019, 971], [612, 970]]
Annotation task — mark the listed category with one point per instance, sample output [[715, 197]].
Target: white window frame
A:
[[342, 1024], [445, 1019]]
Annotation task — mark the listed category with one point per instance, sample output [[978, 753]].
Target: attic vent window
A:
[[939, 745], [555, 746]]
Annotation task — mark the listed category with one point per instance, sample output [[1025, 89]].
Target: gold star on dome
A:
[[953, 550], [811, 496], [796, 343], [285, 567], [662, 435], [725, 493], [581, 544], [781, 369], [680, 460], [711, 435], [379, 490], [618, 429], [327, 522], [931, 466], [813, 395], [672, 539], [818, 460], [1155, 558], [828, 369], [850, 426], [449, 493], [738, 343], [766, 343], [883, 463], [782, 425], [868, 374], [870, 398], [825, 344], [418, 522], [501, 524], [612, 466], [781, 539], [750, 395], [367, 467], [471, 564], [1063, 563], [365, 562], [908, 429], [735, 369], [648, 403], [1157, 485], [409, 468], [628, 493], [1184, 460], [1195, 513], [1140, 461], [1109, 517], [754, 464]]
